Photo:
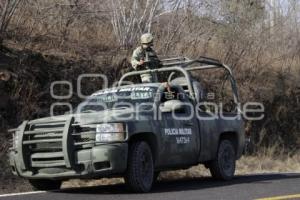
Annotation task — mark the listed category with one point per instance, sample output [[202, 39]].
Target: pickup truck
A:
[[133, 131]]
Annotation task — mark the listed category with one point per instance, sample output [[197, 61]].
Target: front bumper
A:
[[62, 149], [100, 161]]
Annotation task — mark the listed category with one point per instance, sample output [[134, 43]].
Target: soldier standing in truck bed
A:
[[144, 57]]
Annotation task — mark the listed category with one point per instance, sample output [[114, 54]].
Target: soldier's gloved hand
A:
[[141, 65]]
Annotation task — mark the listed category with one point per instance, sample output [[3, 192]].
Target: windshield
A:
[[118, 98]]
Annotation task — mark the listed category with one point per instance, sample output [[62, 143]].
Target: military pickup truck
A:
[[133, 131]]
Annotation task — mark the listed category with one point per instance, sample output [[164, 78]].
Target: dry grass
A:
[[264, 164], [86, 183]]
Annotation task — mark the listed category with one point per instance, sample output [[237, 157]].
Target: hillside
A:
[[43, 42]]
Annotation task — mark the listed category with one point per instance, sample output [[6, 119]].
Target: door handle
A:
[[188, 124]]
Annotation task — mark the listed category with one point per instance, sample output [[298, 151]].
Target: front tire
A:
[[223, 166], [44, 184], [140, 170]]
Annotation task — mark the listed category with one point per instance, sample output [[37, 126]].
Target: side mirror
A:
[[171, 105]]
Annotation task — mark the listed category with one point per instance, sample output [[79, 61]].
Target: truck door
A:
[[216, 113], [208, 129], [179, 132]]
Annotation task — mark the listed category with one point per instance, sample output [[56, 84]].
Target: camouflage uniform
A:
[[148, 55]]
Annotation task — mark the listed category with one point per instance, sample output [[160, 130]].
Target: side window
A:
[[218, 93], [175, 93], [172, 93], [227, 98]]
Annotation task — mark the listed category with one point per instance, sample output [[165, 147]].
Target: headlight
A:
[[15, 139], [111, 132]]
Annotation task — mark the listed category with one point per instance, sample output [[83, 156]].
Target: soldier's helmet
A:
[[147, 38]]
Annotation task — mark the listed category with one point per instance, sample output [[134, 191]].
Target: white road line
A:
[[293, 196], [22, 193]]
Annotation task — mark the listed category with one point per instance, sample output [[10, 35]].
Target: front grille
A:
[[53, 144], [84, 136], [47, 147], [44, 144]]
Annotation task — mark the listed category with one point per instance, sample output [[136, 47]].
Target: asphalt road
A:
[[242, 187]]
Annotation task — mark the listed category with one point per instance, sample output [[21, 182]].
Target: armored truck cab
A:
[[133, 131]]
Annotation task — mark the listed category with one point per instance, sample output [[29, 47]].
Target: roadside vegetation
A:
[[46, 41]]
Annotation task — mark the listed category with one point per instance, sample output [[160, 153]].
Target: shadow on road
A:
[[185, 184]]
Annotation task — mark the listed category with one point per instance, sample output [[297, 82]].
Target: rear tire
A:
[[140, 170], [44, 184], [223, 167]]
